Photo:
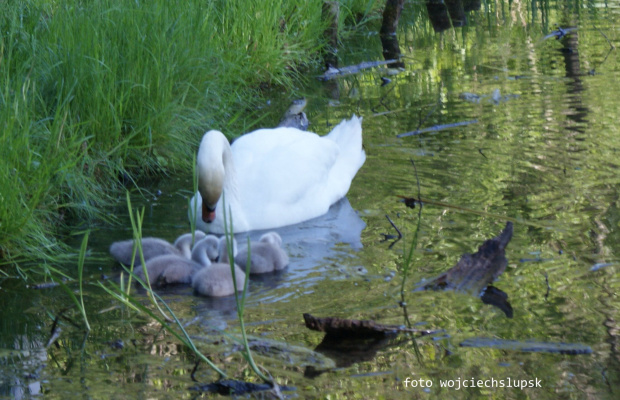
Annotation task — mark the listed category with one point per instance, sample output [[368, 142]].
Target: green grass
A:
[[92, 91]]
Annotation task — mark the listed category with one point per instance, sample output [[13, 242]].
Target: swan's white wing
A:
[[284, 170], [283, 176]]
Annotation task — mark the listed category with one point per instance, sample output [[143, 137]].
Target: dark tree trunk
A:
[[389, 41]]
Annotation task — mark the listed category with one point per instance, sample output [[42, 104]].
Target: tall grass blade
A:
[[136, 226], [82, 255], [229, 234]]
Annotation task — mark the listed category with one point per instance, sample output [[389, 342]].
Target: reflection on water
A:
[[545, 152], [311, 242]]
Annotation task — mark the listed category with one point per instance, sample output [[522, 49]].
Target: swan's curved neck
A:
[[230, 178], [217, 178], [230, 192]]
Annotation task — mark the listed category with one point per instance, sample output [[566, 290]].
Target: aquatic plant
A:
[[79, 303], [136, 228], [407, 265]]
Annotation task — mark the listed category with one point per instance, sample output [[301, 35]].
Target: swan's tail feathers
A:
[[348, 133], [348, 137]]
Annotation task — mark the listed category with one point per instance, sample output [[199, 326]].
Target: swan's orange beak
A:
[[208, 213]]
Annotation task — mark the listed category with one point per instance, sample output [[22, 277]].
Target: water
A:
[[544, 152]]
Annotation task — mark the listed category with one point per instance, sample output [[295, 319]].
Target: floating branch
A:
[[558, 33], [528, 346], [598, 266], [438, 128]]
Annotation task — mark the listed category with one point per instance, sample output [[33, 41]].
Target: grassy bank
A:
[[90, 91]]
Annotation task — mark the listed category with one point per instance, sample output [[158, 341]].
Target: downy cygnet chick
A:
[[212, 247], [174, 269], [266, 255], [216, 280], [184, 242], [153, 247]]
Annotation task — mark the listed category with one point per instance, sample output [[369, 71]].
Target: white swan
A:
[[274, 177], [266, 255], [216, 280], [153, 247], [173, 268]]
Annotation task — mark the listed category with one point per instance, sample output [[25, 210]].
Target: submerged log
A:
[[355, 328], [229, 387], [351, 341]]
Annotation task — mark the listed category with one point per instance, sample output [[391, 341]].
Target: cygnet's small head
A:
[[214, 148], [223, 250], [212, 247], [184, 242], [200, 252], [271, 237]]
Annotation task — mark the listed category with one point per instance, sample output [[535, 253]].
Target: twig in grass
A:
[[611, 45], [387, 237]]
